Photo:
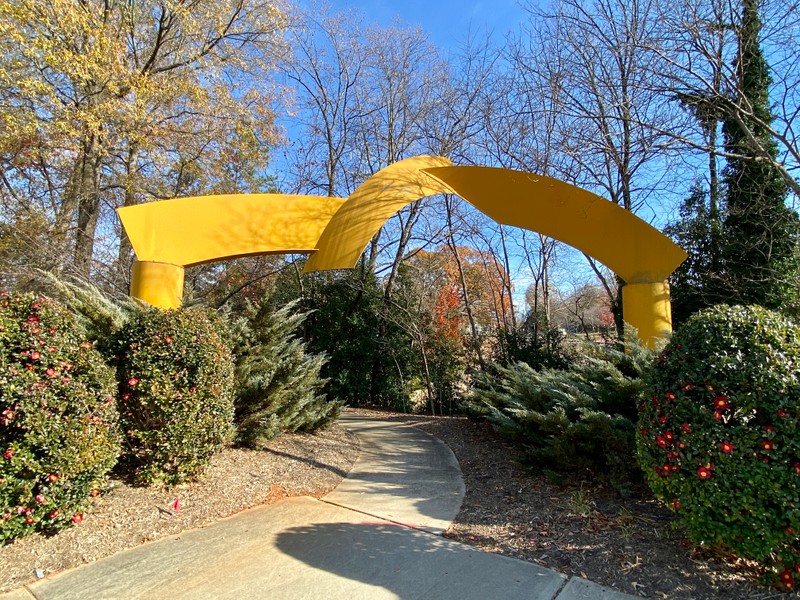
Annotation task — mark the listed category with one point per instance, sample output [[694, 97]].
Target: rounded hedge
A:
[[719, 433], [175, 376], [59, 429]]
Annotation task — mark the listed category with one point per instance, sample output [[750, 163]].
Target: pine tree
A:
[[759, 231], [278, 384]]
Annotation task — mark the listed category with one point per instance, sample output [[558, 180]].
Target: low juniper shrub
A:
[[718, 438], [59, 430], [575, 423]]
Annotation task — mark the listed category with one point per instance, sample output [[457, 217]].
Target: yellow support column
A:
[[159, 284], [646, 307]]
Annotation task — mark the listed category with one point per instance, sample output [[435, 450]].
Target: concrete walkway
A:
[[375, 537]]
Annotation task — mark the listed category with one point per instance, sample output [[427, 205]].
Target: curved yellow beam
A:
[[369, 207], [626, 244], [191, 231]]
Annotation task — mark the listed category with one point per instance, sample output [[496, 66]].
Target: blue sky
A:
[[447, 22]]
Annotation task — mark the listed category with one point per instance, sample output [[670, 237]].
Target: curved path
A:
[[374, 537]]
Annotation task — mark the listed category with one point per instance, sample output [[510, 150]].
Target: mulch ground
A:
[[126, 516], [630, 544]]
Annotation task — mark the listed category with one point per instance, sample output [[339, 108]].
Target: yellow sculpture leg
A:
[[646, 307], [159, 284]]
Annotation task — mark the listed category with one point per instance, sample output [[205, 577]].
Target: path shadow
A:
[[414, 565], [308, 461]]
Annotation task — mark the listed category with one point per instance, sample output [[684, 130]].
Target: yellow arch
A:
[[193, 231], [369, 207], [173, 234], [629, 246]]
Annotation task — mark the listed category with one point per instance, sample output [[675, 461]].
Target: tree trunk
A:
[[507, 282], [428, 382], [125, 253], [464, 290], [86, 196]]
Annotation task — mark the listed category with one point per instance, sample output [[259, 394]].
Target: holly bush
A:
[[719, 434], [59, 430], [175, 376]]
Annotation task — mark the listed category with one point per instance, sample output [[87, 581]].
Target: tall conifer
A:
[[759, 231]]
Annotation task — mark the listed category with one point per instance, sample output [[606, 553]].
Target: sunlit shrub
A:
[[175, 376], [575, 423], [719, 433], [278, 383], [59, 431]]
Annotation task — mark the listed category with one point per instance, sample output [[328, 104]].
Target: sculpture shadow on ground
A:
[[411, 564]]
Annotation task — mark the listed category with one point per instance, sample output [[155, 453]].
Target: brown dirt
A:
[[630, 544], [127, 516]]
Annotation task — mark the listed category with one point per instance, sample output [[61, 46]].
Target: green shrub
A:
[[278, 386], [578, 423], [534, 344], [175, 377], [719, 433], [59, 429]]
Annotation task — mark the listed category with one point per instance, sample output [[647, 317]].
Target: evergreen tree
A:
[[278, 384], [345, 325], [697, 282], [759, 231]]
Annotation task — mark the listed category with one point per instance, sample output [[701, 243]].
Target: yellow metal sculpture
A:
[[170, 235], [370, 206]]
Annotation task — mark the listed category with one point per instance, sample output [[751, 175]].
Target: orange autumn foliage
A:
[[438, 277]]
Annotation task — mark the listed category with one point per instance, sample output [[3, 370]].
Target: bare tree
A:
[[325, 68], [587, 60], [695, 59]]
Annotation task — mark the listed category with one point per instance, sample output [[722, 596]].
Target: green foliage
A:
[[533, 343], [345, 325], [697, 283], [368, 352], [99, 315], [278, 384], [59, 429], [760, 233], [578, 422], [719, 432], [175, 377]]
